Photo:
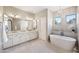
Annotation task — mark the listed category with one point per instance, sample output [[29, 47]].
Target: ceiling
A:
[[36, 9]]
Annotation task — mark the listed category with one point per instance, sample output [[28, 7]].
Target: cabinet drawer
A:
[[8, 43]]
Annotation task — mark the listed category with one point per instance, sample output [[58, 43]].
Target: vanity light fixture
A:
[[29, 18], [17, 16], [37, 20], [5, 15], [12, 15]]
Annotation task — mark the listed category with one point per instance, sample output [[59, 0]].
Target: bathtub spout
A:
[[62, 33]]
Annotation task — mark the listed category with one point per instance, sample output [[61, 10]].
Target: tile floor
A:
[[34, 46]]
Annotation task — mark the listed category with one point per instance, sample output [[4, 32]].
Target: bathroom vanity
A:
[[18, 37], [17, 31]]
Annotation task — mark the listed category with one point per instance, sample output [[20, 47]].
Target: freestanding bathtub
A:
[[63, 42]]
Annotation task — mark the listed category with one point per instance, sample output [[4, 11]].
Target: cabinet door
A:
[[24, 37], [16, 39], [7, 43], [33, 35]]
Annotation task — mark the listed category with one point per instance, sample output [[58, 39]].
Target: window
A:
[[58, 20], [58, 23], [70, 19]]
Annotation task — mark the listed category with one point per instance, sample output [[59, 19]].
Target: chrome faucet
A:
[[62, 33]]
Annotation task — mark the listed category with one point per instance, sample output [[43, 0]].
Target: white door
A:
[[43, 28]]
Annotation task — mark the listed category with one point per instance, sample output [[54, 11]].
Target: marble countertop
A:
[[18, 32]]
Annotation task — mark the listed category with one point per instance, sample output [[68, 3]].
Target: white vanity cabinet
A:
[[21, 37], [15, 38], [24, 37], [32, 35], [9, 42]]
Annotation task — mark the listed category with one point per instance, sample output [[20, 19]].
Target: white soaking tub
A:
[[63, 42]]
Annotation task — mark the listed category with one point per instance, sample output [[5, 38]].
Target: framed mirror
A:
[[16, 24]]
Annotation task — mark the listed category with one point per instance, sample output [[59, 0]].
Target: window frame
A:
[[70, 20], [56, 20]]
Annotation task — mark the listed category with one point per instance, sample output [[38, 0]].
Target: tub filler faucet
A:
[[62, 33]]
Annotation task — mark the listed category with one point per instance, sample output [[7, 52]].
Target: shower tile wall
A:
[[64, 26]]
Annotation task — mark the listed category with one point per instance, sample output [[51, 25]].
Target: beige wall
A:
[[49, 21], [67, 11], [63, 13], [78, 25], [64, 27], [42, 24]]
